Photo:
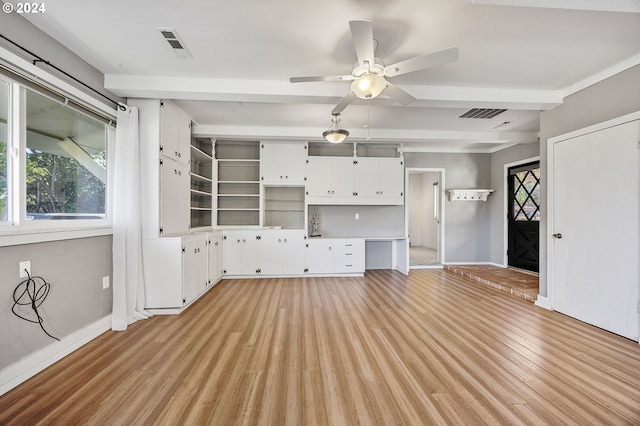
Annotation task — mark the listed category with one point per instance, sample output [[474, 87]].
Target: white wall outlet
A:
[[357, 216], [25, 269], [105, 282]]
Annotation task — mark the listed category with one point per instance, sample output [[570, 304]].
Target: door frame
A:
[[550, 228], [505, 208], [441, 213]]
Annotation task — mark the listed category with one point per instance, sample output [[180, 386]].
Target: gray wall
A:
[[467, 223], [20, 31], [616, 96], [496, 199], [75, 269]]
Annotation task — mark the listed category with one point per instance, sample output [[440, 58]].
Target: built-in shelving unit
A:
[[201, 168], [238, 198], [284, 206]]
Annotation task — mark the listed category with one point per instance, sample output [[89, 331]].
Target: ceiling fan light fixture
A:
[[335, 134], [368, 86]]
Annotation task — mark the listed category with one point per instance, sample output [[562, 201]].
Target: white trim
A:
[[505, 211], [31, 70], [32, 364], [45, 235], [543, 302], [475, 263], [603, 75]]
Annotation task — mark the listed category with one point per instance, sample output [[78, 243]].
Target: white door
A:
[[293, 252], [318, 177], [232, 253], [271, 253], [319, 256], [342, 173], [391, 177], [367, 177], [595, 228]]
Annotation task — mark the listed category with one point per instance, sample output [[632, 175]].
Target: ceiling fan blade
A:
[[344, 103], [421, 62], [362, 34], [321, 78], [398, 95]]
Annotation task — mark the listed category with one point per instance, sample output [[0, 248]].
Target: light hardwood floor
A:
[[383, 349]]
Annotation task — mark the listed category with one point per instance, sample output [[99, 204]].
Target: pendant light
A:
[[335, 134]]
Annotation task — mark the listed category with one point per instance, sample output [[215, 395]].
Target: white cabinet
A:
[[330, 179], [201, 190], [282, 252], [241, 255], [174, 197], [215, 257], [335, 256], [283, 162], [175, 270], [175, 132], [379, 180]]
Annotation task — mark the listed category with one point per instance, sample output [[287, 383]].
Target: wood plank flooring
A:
[[508, 280], [383, 349]]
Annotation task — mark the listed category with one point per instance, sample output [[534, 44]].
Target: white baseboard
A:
[[474, 263], [543, 302], [27, 367]]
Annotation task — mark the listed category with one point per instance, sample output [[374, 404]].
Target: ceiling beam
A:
[[136, 86]]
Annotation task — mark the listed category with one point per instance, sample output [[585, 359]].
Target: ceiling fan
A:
[[368, 75]]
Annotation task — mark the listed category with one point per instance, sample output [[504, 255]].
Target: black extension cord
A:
[[33, 295]]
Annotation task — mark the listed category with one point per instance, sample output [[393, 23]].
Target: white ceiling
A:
[[525, 59]]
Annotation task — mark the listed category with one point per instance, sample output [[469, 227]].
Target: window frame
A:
[[17, 229]]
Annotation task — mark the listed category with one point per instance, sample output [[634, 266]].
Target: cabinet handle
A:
[[380, 192], [285, 240], [348, 245], [238, 241], [328, 192], [216, 244], [349, 266], [333, 192], [377, 192], [286, 177], [244, 241], [280, 177], [279, 240], [348, 254]]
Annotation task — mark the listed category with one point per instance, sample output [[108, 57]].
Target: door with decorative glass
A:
[[524, 216]]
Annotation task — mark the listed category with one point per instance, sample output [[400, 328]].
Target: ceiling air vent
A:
[[482, 113], [174, 41]]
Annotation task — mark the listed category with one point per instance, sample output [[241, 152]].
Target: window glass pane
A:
[[66, 162], [4, 151]]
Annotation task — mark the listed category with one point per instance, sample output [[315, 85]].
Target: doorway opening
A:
[[424, 218], [523, 216]]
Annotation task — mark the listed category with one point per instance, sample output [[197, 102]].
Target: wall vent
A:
[[482, 113], [174, 41]]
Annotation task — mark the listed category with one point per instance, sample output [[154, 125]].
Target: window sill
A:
[[34, 236]]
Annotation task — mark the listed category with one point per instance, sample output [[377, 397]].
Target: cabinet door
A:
[[391, 177], [366, 178], [174, 197], [189, 271], [342, 172], [272, 162], [250, 253], [319, 256], [232, 253], [174, 141], [271, 255], [318, 177], [295, 155], [293, 252], [215, 258]]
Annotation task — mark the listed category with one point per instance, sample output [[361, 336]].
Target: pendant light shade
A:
[[368, 86], [335, 134]]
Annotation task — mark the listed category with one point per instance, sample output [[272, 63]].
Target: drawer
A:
[[348, 252], [348, 243], [348, 265]]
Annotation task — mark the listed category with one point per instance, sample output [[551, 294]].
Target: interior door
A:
[[595, 244], [523, 216]]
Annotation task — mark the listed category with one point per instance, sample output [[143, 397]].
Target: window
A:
[[526, 196], [65, 162], [4, 151]]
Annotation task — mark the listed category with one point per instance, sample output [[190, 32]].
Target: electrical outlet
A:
[[357, 216], [25, 269], [105, 282]]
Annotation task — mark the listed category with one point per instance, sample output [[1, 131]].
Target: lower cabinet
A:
[[179, 269], [264, 252], [335, 256]]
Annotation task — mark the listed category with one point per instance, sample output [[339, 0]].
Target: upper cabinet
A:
[[283, 163], [175, 133], [355, 180]]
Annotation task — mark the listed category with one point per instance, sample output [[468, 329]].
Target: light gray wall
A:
[[75, 269], [467, 223], [616, 96], [497, 199], [374, 221], [20, 31]]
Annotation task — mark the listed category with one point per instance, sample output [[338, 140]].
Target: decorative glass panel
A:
[[526, 204]]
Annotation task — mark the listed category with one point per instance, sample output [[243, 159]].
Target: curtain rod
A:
[[44, 61]]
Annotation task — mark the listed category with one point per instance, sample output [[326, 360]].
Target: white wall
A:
[[423, 228]]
